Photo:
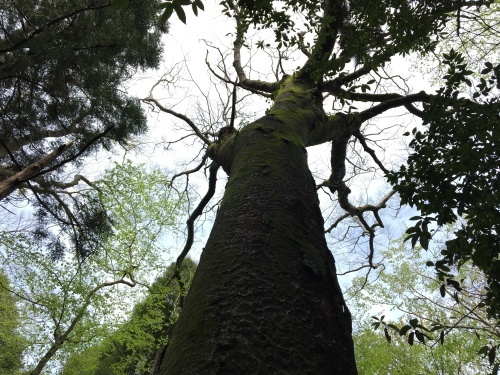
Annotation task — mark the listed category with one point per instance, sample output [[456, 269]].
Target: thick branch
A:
[[332, 20], [334, 85], [393, 103], [258, 85], [12, 183], [89, 143], [23, 141], [361, 210]]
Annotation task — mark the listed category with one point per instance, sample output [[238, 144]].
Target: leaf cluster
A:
[[454, 172], [171, 6]]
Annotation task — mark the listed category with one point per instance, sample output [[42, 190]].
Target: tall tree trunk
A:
[[265, 298]]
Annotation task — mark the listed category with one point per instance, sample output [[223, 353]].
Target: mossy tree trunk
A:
[[265, 298]]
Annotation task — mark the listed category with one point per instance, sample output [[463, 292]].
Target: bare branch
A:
[[212, 180], [186, 119], [195, 169], [370, 151]]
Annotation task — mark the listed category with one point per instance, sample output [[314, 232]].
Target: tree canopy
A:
[[62, 69], [324, 71], [12, 343], [436, 328]]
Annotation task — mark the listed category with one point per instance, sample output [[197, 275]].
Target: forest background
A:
[[82, 236]]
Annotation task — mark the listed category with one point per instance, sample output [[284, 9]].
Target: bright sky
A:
[[190, 42]]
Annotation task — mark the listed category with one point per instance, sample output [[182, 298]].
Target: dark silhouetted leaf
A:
[[420, 337], [411, 338], [180, 12], [441, 337], [492, 354], [387, 336], [393, 327], [455, 297], [484, 350], [404, 330], [454, 283]]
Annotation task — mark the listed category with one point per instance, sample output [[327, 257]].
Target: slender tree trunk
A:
[[265, 298]]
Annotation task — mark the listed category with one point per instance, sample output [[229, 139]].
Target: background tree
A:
[[374, 355], [418, 306], [63, 65], [265, 297], [73, 302], [136, 344], [12, 343]]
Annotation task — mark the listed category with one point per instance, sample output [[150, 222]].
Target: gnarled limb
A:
[[12, 183], [258, 85]]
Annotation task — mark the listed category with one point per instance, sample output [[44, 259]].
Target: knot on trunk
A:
[[221, 149]]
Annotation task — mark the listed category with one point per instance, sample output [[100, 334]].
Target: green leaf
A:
[[404, 330], [199, 4], [167, 13], [180, 13], [123, 4]]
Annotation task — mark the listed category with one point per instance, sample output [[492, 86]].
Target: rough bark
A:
[[265, 298]]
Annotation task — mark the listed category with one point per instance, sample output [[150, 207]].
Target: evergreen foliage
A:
[[62, 66]]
